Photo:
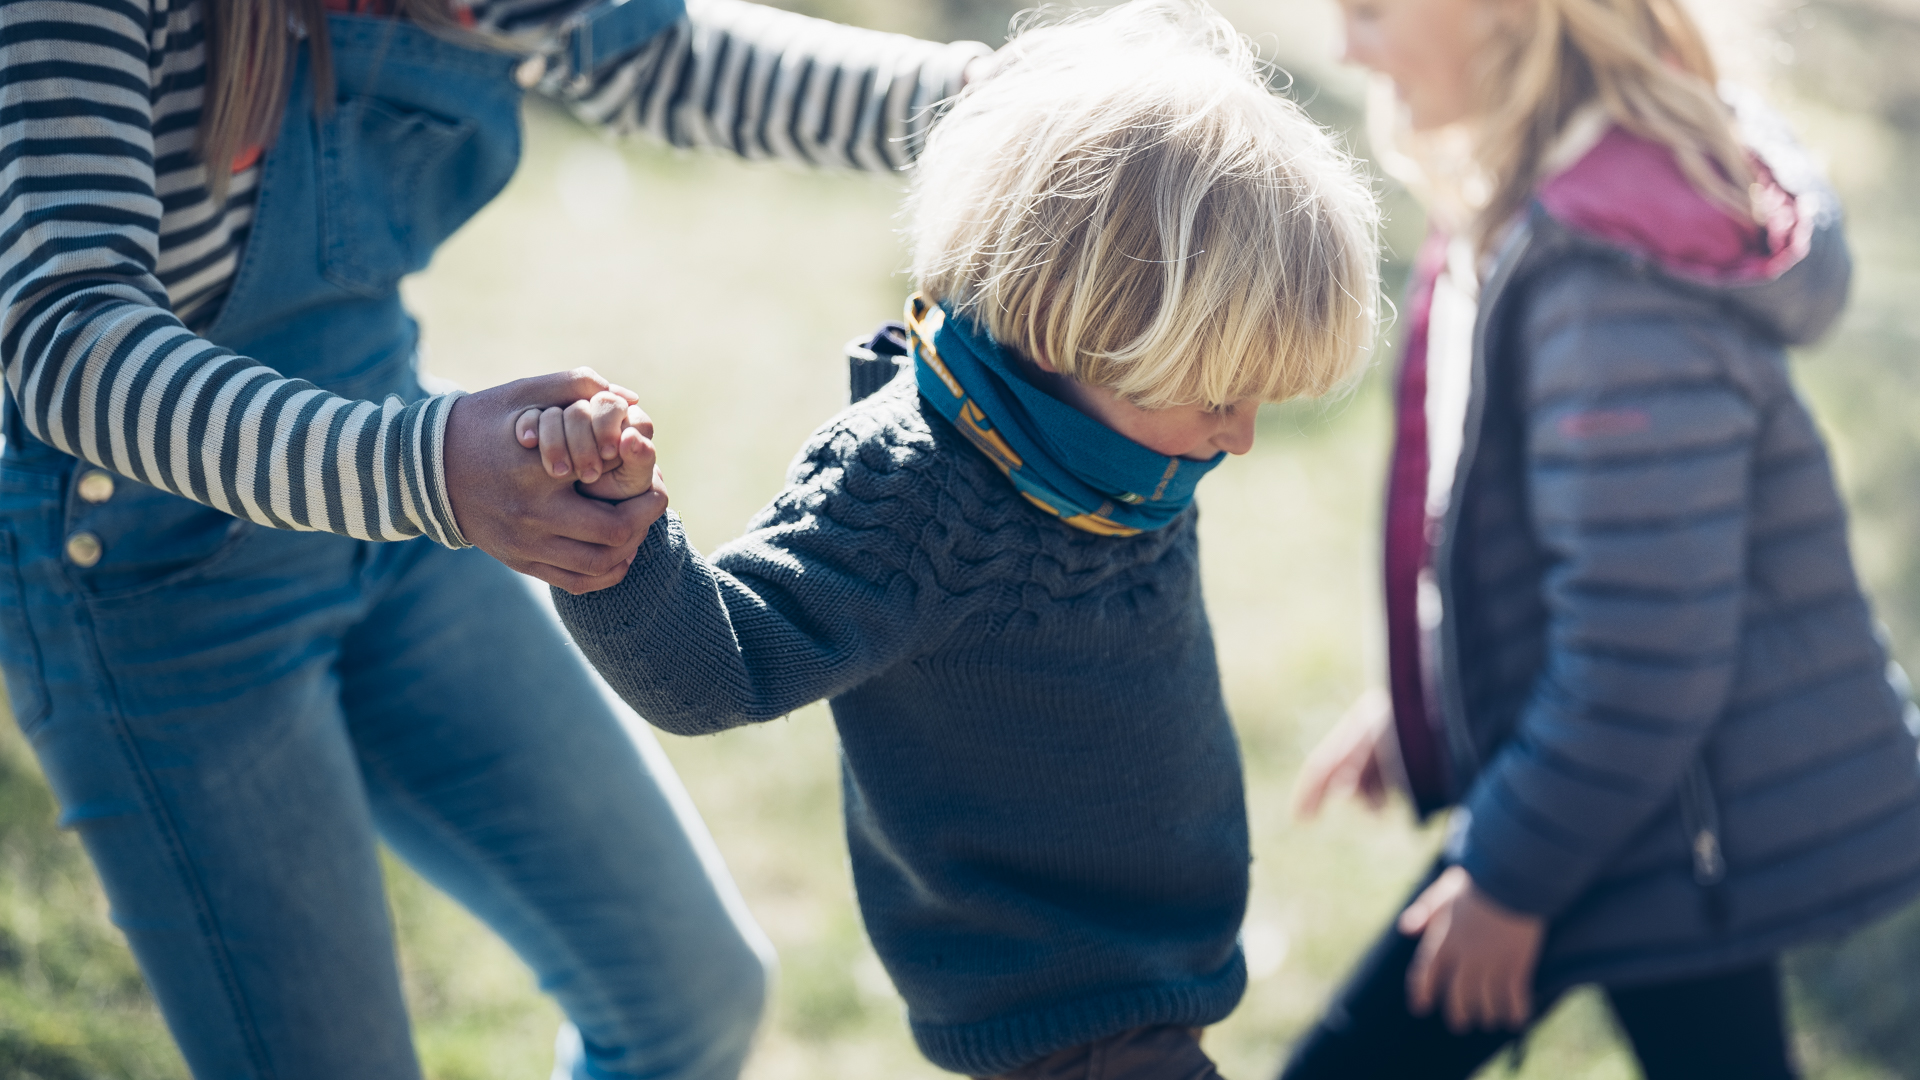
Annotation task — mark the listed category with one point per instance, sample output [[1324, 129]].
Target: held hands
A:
[[509, 507], [1476, 958], [605, 441]]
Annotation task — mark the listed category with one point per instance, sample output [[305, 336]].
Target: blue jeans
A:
[[231, 715]]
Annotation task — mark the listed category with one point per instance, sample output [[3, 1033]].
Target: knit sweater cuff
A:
[[631, 605], [1008, 1042]]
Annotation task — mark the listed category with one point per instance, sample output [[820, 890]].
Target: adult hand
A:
[[1475, 956], [1347, 760], [510, 507]]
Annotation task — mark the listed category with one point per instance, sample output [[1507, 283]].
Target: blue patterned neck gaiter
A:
[[1064, 461]]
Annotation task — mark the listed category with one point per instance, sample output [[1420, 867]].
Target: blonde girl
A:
[[1626, 642]]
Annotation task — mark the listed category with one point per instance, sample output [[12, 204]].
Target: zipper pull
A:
[[1708, 865], [1701, 818], [1710, 871]]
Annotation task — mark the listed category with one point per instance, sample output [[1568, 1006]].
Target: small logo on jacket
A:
[[1598, 423]]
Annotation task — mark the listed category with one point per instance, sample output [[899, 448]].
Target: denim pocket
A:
[[381, 210], [152, 540], [19, 650]]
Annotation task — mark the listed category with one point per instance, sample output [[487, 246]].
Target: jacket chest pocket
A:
[[394, 183]]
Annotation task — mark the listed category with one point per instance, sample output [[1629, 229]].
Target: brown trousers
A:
[[1153, 1053]]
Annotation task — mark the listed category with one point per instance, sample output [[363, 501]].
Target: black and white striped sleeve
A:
[[96, 361], [765, 83]]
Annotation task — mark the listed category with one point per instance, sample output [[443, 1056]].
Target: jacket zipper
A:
[[1453, 706]]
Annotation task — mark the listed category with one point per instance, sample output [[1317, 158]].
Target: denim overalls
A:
[[230, 715]]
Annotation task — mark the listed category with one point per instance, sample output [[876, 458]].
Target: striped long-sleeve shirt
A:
[[113, 255]]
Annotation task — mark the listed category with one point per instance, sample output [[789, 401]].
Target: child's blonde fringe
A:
[[1125, 198]]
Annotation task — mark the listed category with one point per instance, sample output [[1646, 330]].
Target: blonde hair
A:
[[1644, 61], [1125, 198]]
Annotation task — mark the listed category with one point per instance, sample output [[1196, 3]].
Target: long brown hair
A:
[[250, 48]]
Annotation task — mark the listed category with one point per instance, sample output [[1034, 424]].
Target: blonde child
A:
[[1124, 243], [1625, 636]]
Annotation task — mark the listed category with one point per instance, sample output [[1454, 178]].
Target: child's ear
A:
[[1045, 365]]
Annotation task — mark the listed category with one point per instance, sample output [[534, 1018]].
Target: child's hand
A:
[[605, 440], [582, 439], [1476, 957], [1347, 761]]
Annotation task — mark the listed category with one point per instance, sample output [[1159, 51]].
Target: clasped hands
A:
[[604, 442], [1476, 957], [525, 507]]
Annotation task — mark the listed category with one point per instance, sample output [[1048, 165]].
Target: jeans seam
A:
[[176, 851]]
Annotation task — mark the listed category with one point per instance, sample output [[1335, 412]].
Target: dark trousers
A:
[[1722, 1027], [1151, 1053]]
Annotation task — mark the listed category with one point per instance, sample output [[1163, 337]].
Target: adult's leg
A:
[[498, 765], [193, 738], [1722, 1027], [1368, 1031]]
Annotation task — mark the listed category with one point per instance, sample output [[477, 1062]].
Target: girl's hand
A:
[[1347, 761], [582, 439], [604, 440], [1475, 956]]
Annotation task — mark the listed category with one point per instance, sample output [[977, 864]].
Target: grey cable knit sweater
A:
[[1042, 788]]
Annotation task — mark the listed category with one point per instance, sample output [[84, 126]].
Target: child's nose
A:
[[1236, 436]]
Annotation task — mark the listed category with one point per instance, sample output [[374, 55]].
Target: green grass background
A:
[[723, 293]]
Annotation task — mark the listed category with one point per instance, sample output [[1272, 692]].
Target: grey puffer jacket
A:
[[1670, 723]]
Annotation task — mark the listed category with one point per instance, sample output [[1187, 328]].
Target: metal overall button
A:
[[96, 486], [84, 549], [530, 72]]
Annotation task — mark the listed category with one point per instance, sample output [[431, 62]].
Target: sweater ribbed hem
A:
[[1008, 1042]]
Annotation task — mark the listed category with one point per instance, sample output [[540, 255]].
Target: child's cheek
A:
[[1178, 432]]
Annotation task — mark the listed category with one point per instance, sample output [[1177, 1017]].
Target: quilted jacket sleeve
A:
[[1641, 432]]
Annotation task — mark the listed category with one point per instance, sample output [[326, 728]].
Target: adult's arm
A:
[[96, 361], [101, 368], [1640, 444], [765, 83]]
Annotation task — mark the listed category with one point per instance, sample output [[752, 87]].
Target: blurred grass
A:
[[723, 294]]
